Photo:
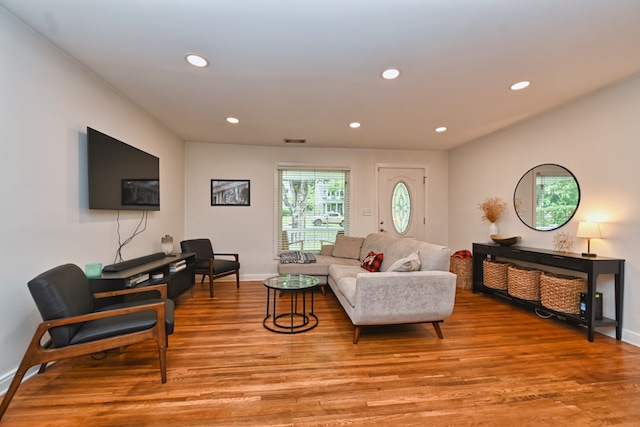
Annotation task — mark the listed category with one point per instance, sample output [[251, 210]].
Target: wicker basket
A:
[[561, 293], [495, 274], [463, 269], [523, 283]]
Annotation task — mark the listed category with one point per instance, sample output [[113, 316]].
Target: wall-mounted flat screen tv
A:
[[121, 177]]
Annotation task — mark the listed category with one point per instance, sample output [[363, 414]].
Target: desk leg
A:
[[619, 290], [591, 312]]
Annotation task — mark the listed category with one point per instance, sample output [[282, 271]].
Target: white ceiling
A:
[[307, 68]]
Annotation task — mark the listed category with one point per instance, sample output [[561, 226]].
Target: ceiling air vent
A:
[[294, 141]]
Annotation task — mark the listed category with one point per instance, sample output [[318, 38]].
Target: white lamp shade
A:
[[590, 230]]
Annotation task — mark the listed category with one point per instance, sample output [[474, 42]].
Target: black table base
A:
[[297, 319]]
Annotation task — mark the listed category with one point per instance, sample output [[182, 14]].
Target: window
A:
[[401, 207], [313, 206]]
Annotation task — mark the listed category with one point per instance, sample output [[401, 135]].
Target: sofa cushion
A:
[[372, 261], [377, 243], [347, 247], [410, 263], [347, 287], [432, 257], [344, 276], [318, 268]]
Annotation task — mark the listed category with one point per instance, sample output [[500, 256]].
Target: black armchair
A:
[[208, 263], [67, 306]]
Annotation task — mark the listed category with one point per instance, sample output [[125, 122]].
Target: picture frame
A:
[[230, 192]]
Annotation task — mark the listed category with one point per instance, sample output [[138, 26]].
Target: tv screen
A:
[[140, 192], [121, 177]]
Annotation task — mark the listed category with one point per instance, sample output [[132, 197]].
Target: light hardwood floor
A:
[[497, 366]]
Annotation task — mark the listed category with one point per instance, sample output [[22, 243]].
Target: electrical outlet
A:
[[366, 212]]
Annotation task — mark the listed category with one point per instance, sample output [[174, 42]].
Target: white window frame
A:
[[313, 240]]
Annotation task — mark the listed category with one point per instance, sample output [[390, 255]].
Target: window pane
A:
[[313, 208], [401, 207]]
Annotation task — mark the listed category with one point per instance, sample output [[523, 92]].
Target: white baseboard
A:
[[6, 379], [630, 338]]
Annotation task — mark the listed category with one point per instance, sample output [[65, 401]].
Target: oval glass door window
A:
[[401, 207]]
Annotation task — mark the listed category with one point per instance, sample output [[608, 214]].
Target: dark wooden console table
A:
[[592, 266], [177, 282]]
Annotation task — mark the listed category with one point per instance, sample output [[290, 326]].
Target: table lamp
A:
[[589, 230]]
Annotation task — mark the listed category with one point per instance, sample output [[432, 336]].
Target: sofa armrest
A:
[[392, 297]]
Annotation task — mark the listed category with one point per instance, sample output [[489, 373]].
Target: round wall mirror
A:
[[546, 197]]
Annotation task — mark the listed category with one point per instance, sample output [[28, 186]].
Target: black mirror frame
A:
[[515, 192]]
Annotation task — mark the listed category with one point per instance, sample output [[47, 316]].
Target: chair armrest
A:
[[157, 306], [160, 288], [236, 256]]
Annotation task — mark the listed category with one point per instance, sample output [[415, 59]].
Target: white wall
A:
[[598, 139], [47, 101], [249, 231]]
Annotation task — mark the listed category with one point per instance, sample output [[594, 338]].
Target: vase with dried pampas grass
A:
[[492, 208]]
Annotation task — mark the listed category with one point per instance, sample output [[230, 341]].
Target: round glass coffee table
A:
[[296, 319]]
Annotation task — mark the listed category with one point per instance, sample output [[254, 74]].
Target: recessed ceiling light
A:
[[441, 129], [233, 120], [197, 60], [390, 74], [520, 85], [354, 125]]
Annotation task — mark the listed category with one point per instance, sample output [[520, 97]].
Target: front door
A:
[[401, 202]]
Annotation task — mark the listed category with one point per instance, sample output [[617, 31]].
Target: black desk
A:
[[592, 266]]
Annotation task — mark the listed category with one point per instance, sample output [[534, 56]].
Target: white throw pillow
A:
[[410, 263]]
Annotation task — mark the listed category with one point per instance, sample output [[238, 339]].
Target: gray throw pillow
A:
[[347, 247]]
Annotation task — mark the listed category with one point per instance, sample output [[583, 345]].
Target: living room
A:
[[49, 99]]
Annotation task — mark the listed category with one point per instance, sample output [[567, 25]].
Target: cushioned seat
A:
[[169, 312]]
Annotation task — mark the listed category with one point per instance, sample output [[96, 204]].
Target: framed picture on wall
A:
[[230, 192]]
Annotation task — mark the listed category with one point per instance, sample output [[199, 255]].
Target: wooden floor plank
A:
[[497, 365]]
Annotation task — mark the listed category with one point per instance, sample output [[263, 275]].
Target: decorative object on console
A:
[[166, 243], [493, 230], [492, 208], [505, 241], [589, 230], [563, 242], [93, 270]]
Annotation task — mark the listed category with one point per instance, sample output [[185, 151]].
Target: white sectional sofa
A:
[[393, 295]]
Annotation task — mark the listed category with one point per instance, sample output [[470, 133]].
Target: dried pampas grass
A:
[[492, 208]]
